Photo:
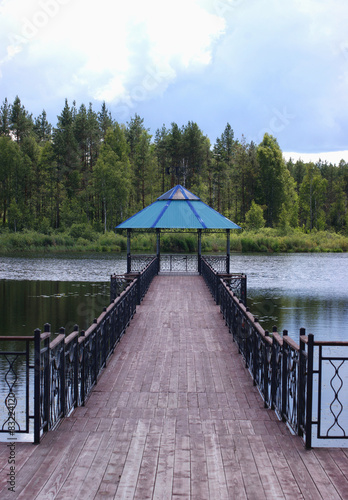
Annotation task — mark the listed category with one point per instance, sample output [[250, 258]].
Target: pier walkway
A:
[[174, 415]]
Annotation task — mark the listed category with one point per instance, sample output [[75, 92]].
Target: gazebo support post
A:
[[158, 248], [129, 259], [199, 251], [228, 251]]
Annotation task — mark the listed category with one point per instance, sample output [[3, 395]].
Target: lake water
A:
[[287, 290]]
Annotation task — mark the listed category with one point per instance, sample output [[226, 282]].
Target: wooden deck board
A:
[[175, 415]]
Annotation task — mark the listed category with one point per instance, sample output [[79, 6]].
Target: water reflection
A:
[[325, 318], [89, 267], [287, 290], [27, 305]]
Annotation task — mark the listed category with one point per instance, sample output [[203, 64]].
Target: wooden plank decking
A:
[[175, 415]]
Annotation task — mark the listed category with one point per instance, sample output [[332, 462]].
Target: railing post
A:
[[301, 389], [27, 383], [265, 374], [228, 252], [83, 369], [252, 355], [47, 378], [96, 353], [139, 288], [37, 374], [129, 260], [113, 288], [217, 281], [274, 375], [158, 248], [309, 398], [243, 289], [199, 251], [76, 367], [273, 371], [284, 378], [63, 374]]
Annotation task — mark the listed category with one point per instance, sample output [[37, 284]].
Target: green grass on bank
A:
[[82, 238]]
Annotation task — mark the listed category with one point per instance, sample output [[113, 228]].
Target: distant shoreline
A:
[[264, 240]]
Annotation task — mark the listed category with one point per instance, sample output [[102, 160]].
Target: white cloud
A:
[[333, 157], [116, 44], [243, 60]]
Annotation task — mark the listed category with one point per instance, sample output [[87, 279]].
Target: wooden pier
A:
[[174, 415]]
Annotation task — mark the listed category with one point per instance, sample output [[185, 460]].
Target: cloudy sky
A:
[[262, 65]]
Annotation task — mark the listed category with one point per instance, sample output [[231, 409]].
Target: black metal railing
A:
[[331, 371], [236, 282], [178, 263], [304, 383], [146, 276], [64, 370], [118, 283], [140, 262], [211, 278], [16, 368], [217, 262]]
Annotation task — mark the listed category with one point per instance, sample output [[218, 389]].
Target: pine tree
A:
[[21, 122], [271, 185], [5, 113], [42, 129], [66, 158], [105, 120], [163, 157]]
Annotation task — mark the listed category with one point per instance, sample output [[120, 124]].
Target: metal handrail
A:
[[284, 370], [67, 368]]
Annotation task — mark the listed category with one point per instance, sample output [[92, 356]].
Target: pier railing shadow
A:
[[304, 383]]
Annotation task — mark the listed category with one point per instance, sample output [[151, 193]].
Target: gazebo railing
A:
[[236, 282], [179, 263], [140, 261], [217, 262]]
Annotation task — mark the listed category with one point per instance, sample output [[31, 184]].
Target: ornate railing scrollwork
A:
[[67, 368], [283, 370]]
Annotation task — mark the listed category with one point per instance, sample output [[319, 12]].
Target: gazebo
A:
[[178, 209]]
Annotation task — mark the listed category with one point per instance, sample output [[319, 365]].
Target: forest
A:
[[90, 171]]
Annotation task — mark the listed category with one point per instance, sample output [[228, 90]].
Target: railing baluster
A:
[[37, 392], [284, 375], [309, 398], [47, 385]]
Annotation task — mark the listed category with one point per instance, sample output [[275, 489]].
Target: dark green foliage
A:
[[21, 123], [272, 180], [91, 171], [179, 243], [83, 238]]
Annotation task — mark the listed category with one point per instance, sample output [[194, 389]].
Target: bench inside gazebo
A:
[[178, 210]]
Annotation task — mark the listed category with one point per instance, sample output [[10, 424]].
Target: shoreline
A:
[[266, 240]]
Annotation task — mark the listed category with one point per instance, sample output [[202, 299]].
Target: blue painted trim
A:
[[130, 218], [183, 192], [200, 220], [174, 191], [228, 220], [161, 214], [165, 207]]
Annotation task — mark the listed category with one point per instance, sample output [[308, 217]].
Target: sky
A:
[[272, 66]]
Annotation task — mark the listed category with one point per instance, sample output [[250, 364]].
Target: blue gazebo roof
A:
[[178, 208]]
